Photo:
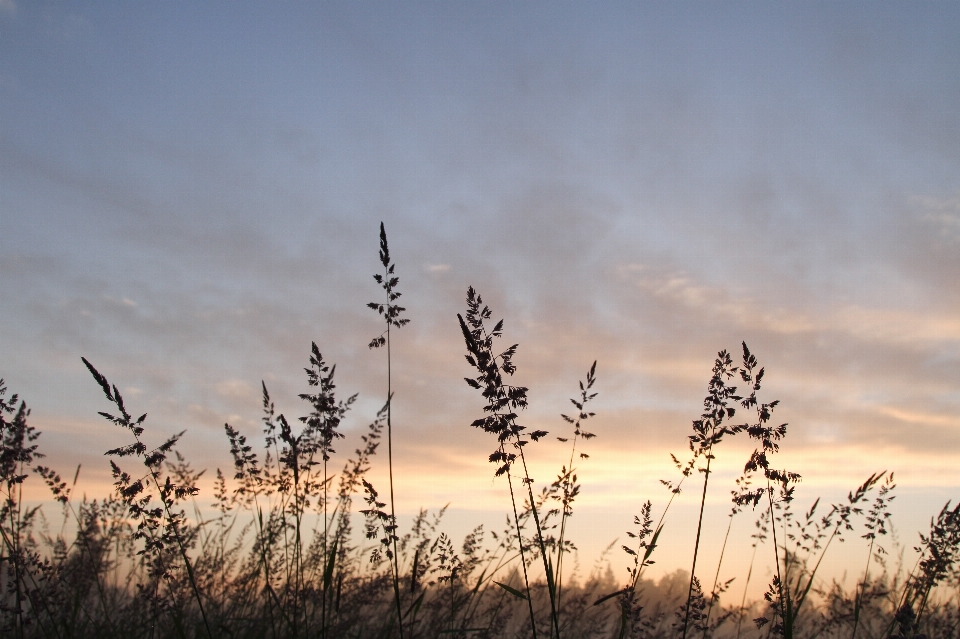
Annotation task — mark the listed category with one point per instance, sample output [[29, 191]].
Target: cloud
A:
[[951, 422], [199, 217], [943, 214], [884, 325], [235, 389]]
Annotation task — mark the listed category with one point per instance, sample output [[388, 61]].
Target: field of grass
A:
[[303, 545]]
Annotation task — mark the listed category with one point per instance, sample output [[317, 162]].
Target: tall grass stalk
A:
[[169, 493], [322, 431], [502, 402], [568, 480], [708, 431], [769, 438], [390, 313], [876, 524]]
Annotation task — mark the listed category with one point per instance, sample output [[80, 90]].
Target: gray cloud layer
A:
[[190, 196]]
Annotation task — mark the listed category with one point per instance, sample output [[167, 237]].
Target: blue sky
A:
[[190, 194]]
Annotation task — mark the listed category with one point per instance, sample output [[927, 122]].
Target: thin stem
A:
[[563, 520], [927, 587], [297, 548], [696, 545], [784, 610], [663, 515], [393, 515], [523, 559], [326, 550], [543, 550], [858, 605], [15, 557], [266, 569], [716, 578], [743, 600]]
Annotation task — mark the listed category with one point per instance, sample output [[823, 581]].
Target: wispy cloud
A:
[[943, 214], [235, 389], [885, 325]]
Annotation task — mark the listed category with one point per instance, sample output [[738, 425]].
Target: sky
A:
[[191, 194]]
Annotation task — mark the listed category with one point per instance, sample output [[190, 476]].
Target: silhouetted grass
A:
[[281, 554], [390, 312]]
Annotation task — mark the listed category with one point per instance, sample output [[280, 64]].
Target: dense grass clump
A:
[[287, 553]]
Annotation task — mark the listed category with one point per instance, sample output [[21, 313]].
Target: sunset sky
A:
[[190, 195]]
